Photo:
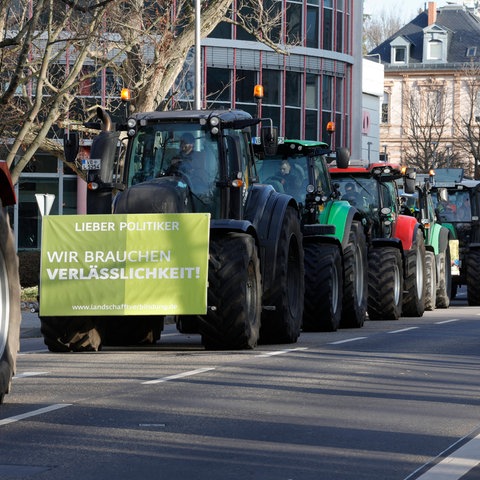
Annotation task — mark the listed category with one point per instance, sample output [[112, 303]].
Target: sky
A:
[[408, 9]]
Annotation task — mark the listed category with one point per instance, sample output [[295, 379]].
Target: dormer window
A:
[[400, 51], [435, 44], [400, 54], [434, 50]]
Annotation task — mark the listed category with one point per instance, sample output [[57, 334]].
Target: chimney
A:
[[432, 13]]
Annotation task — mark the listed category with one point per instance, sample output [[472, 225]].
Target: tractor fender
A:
[[229, 225], [440, 238], [265, 209], [387, 242], [341, 214], [7, 192], [405, 230]]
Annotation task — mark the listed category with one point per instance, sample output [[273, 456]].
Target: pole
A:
[[198, 91]]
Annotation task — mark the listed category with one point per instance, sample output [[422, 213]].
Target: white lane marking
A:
[[33, 413], [29, 374], [447, 321], [44, 350], [348, 340], [281, 352], [179, 375], [403, 330], [456, 465]]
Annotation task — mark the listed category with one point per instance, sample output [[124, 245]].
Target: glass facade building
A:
[[317, 81]]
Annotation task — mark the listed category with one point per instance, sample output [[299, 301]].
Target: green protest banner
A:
[[130, 264]]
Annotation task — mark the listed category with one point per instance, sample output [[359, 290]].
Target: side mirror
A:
[[71, 144], [270, 140], [343, 157], [410, 180], [442, 194]]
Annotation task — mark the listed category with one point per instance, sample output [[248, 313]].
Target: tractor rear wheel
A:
[[431, 281], [71, 334], [234, 294], [355, 287], [473, 275], [414, 298], [385, 283], [10, 300], [444, 287], [323, 288]]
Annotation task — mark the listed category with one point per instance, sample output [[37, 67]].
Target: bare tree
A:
[[379, 28], [467, 124], [52, 52], [424, 126]]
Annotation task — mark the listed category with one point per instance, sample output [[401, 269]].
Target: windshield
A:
[[456, 208], [177, 149], [285, 175], [359, 191]]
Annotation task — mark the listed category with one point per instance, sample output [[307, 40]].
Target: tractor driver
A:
[[187, 160]]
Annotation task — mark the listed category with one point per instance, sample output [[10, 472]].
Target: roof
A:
[[462, 27]]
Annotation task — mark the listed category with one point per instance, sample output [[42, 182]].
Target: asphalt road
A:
[[392, 400]]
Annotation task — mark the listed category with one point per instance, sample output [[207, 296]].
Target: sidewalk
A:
[[30, 326]]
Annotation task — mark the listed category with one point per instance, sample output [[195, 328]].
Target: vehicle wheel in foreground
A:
[[473, 277], [131, 330], [283, 323], [430, 281], [385, 283], [414, 297], [323, 288], [10, 306], [71, 334], [355, 287], [234, 293], [444, 283]]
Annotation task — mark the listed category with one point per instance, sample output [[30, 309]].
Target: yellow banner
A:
[[130, 264]]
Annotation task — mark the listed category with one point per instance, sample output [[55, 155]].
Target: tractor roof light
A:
[[258, 91], [331, 127], [125, 95]]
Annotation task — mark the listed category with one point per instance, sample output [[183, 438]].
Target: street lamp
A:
[[449, 153]]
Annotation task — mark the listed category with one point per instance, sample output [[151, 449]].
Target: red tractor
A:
[[396, 253], [9, 287]]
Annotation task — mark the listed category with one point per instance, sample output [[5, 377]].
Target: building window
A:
[[386, 108], [400, 55], [471, 52], [218, 85], [327, 26], [435, 50], [312, 27], [245, 80], [432, 111], [294, 22]]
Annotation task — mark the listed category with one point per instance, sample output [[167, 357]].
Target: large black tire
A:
[[234, 294], [414, 296], [473, 277], [323, 288], [444, 279], [430, 281], [385, 283], [10, 315], [71, 334], [283, 323], [355, 286], [131, 330]]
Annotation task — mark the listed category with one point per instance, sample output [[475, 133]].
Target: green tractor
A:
[[457, 203], [334, 242], [437, 249]]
